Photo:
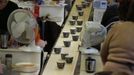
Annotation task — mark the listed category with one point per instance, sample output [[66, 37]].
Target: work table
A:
[[69, 69]]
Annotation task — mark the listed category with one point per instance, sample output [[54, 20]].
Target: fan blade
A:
[[14, 30], [18, 29], [13, 24], [21, 16], [28, 32]]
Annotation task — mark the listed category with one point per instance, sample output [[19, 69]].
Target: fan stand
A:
[[90, 50], [31, 47]]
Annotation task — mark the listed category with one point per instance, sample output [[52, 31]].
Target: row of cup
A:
[[83, 4], [67, 42], [74, 35], [73, 30], [65, 57], [75, 19], [57, 50]]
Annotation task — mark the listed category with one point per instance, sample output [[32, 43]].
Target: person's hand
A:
[[41, 43], [10, 42]]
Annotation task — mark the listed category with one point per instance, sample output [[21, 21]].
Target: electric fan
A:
[[22, 27], [93, 34]]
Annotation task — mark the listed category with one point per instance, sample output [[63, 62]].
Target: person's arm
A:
[[105, 46], [38, 39]]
